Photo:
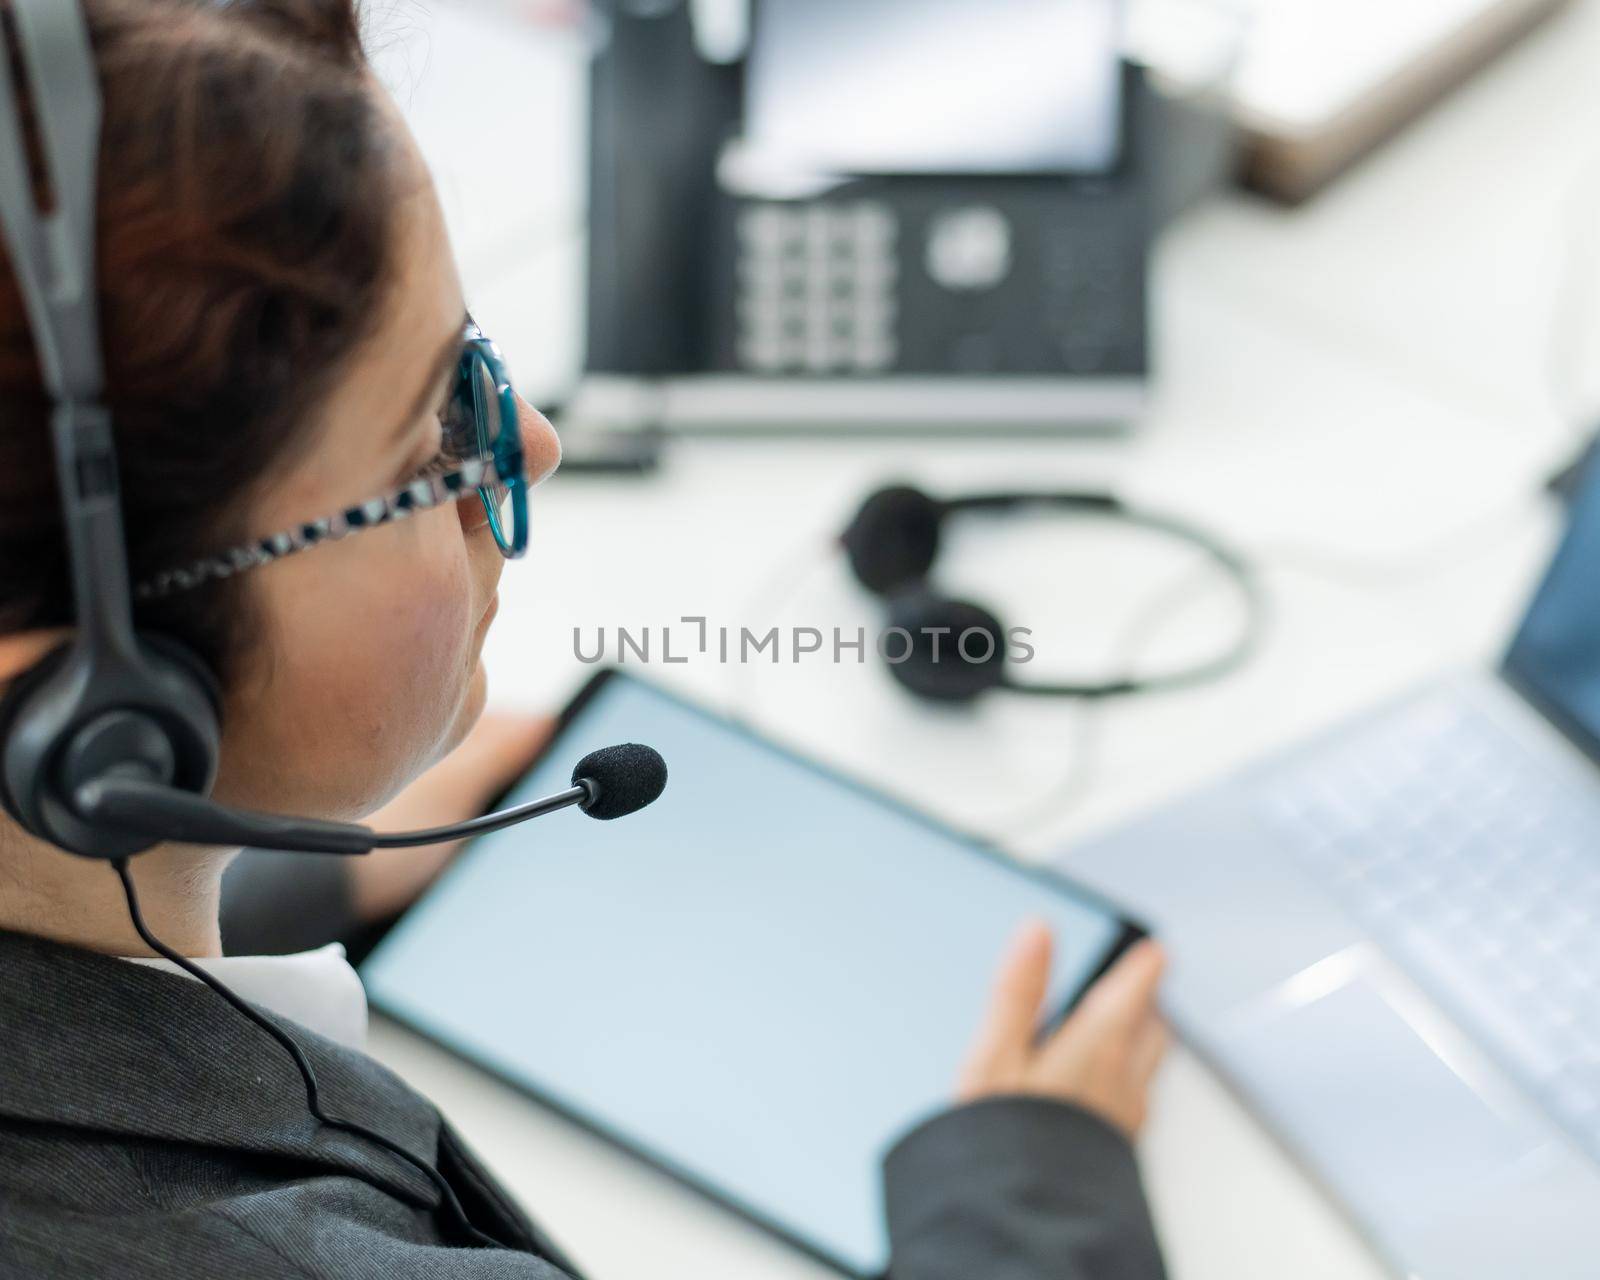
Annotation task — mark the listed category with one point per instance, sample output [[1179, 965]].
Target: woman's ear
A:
[[22, 649]]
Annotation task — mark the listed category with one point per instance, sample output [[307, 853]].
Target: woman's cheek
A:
[[398, 678], [357, 680], [431, 641], [431, 629]]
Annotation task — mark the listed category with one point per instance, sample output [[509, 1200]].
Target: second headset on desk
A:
[[954, 650]]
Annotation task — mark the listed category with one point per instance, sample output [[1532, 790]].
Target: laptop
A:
[[1388, 940]]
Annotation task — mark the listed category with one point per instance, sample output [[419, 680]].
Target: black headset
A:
[[953, 650], [112, 701]]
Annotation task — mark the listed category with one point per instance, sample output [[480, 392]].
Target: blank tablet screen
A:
[[759, 982]]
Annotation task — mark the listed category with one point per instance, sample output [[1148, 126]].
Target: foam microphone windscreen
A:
[[628, 775]]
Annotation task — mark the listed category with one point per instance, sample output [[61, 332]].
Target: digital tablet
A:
[[758, 983]]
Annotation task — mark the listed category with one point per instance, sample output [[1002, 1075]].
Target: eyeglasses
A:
[[482, 438]]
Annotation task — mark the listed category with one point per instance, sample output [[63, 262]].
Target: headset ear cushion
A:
[[194, 724], [894, 538], [954, 650], [158, 647], [16, 697], [162, 652]]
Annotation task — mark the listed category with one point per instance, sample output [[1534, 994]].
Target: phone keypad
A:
[[816, 288]]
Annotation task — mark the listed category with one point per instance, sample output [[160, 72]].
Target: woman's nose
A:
[[541, 447]]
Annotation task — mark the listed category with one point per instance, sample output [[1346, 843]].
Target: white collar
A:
[[318, 989]]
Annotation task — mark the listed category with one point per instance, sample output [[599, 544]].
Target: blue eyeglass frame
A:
[[506, 451], [498, 465]]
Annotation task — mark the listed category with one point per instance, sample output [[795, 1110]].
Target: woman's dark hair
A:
[[245, 189]]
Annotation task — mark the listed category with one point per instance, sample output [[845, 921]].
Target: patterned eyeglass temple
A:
[[419, 495]]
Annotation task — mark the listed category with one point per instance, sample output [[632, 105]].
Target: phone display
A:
[[936, 86]]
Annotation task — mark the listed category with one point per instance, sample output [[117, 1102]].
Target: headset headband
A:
[[52, 256], [112, 700], [52, 250]]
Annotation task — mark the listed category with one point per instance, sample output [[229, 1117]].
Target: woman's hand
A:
[[1102, 1057], [499, 749]]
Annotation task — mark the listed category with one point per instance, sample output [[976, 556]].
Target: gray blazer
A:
[[147, 1130]]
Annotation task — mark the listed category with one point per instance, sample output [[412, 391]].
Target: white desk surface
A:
[[1363, 393]]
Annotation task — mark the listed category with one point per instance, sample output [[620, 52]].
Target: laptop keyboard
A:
[[1446, 836]]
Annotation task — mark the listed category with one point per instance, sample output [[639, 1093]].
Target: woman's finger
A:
[[1115, 1005], [1018, 995], [1149, 1047]]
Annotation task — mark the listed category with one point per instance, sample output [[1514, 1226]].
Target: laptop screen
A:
[[1555, 659]]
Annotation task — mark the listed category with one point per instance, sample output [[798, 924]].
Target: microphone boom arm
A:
[[582, 793], [150, 808]]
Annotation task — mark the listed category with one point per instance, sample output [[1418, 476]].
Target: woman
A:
[[283, 326]]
